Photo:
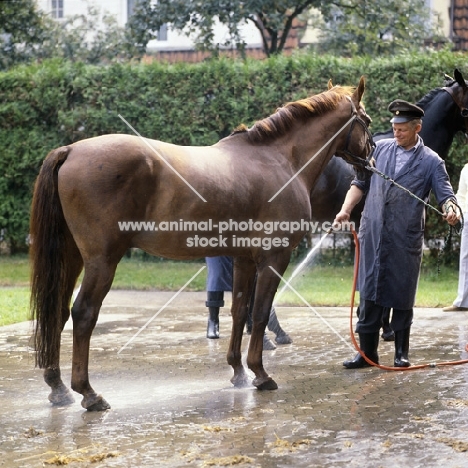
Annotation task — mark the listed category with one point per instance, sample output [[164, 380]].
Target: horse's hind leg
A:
[[60, 395], [244, 275], [97, 280]]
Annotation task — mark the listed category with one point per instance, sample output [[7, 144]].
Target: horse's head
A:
[[458, 90], [358, 144]]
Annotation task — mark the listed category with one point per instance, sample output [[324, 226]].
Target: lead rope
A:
[[353, 338], [459, 226]]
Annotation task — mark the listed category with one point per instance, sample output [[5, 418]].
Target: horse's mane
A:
[[281, 121], [431, 94], [428, 97]]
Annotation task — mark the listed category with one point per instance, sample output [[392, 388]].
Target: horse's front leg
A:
[[267, 284], [244, 275]]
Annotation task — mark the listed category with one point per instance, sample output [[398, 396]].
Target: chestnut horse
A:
[[85, 191]]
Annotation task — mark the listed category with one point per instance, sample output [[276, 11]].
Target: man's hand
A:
[[342, 217], [353, 197], [451, 212]]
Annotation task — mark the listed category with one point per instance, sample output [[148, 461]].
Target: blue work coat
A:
[[391, 233]]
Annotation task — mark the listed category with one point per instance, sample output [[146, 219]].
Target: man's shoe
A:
[[454, 308]]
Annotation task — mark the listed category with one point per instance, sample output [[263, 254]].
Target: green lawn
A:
[[319, 285]]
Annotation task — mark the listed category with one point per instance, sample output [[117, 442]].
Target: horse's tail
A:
[[50, 239]]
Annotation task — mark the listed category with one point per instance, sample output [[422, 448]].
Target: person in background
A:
[[391, 231], [219, 280], [460, 304]]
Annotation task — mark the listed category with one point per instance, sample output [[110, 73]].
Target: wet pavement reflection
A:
[[174, 406]]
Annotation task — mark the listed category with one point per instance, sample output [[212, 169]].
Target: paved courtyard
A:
[[173, 405]]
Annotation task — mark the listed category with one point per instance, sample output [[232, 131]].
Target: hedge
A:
[[55, 103]]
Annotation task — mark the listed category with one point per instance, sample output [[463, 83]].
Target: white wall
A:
[[118, 8], [442, 8]]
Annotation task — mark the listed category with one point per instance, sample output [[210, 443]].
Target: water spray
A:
[[303, 264]]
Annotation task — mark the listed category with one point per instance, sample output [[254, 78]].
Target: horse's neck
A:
[[440, 123]]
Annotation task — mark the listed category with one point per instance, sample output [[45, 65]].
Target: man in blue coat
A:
[[391, 232]]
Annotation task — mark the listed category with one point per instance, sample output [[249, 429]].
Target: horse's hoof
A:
[[268, 384], [61, 398], [240, 381], [100, 404]]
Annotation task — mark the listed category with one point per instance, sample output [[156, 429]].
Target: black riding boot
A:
[[212, 328], [273, 325], [402, 348], [369, 343], [215, 300], [387, 332]]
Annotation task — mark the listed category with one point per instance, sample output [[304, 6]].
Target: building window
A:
[[131, 4], [162, 33], [57, 9]]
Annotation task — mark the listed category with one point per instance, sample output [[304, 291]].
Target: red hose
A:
[[353, 338]]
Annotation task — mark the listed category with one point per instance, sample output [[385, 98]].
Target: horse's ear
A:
[[459, 78], [330, 84], [360, 89], [448, 77]]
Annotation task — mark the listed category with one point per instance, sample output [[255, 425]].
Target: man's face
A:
[[406, 134]]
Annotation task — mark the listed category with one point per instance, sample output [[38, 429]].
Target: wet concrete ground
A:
[[173, 405]]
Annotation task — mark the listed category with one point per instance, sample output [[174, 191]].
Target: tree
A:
[[273, 18], [27, 34], [22, 30], [376, 28], [91, 38]]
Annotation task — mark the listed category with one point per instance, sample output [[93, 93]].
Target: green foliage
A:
[[377, 28], [58, 102], [27, 35], [197, 19], [22, 30], [90, 38]]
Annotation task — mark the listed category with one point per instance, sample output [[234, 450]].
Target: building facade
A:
[[174, 46]]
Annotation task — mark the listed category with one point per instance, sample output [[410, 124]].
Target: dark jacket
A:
[[391, 233]]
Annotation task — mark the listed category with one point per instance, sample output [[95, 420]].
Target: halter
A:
[[460, 105], [357, 160]]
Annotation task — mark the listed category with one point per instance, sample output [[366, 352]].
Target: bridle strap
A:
[[357, 160], [459, 104]]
